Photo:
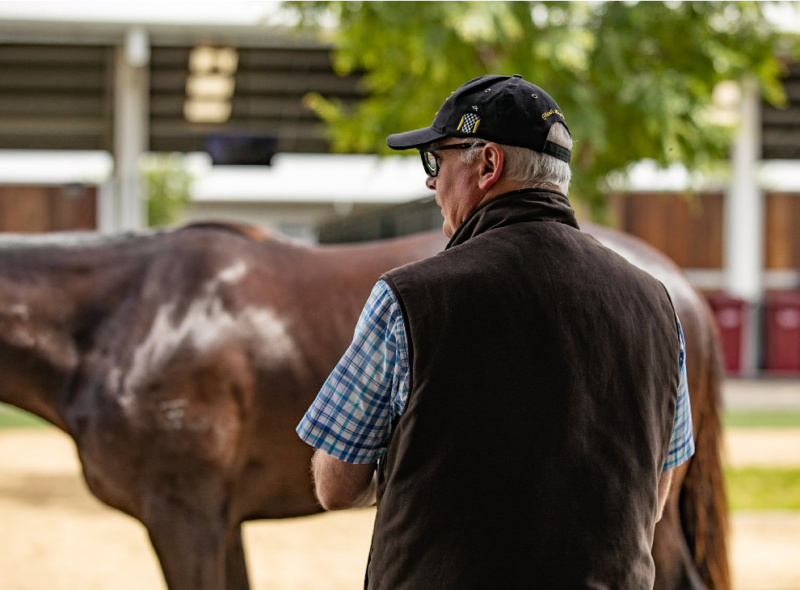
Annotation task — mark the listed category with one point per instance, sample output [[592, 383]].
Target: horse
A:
[[180, 361]]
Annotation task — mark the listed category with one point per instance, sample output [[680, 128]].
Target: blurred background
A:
[[686, 119]]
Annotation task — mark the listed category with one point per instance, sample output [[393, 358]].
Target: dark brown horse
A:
[[181, 361]]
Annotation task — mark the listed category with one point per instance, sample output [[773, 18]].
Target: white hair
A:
[[531, 168]]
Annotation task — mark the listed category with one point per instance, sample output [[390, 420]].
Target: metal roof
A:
[[57, 85]]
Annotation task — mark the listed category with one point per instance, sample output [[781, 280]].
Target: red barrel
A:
[[729, 313], [782, 332]]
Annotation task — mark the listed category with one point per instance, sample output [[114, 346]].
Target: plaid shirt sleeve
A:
[[681, 445], [351, 418]]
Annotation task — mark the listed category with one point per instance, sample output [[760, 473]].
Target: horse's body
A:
[[180, 363]]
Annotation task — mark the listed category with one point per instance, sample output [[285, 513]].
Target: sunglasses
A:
[[430, 160]]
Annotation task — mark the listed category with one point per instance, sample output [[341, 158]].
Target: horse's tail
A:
[[704, 507]]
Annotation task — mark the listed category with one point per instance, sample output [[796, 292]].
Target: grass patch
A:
[[762, 418], [11, 417], [758, 488]]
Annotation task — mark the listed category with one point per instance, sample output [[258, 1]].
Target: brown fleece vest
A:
[[544, 371]]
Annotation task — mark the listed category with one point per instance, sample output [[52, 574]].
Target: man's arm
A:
[[341, 485], [664, 484], [681, 444], [350, 421]]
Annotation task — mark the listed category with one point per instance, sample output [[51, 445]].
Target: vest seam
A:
[[409, 337]]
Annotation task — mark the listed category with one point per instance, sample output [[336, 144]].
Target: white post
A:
[[131, 127], [744, 225], [106, 208]]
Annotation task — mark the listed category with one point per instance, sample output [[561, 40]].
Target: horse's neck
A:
[[364, 263], [381, 256], [50, 297]]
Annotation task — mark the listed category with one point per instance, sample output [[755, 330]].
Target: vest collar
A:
[[527, 204]]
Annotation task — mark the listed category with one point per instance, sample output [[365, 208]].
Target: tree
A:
[[635, 80], [167, 184]]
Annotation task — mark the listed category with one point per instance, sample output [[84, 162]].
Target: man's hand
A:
[[341, 485]]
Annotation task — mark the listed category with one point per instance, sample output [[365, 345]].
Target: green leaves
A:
[[635, 80], [167, 184]]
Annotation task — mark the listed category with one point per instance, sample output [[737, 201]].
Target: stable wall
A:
[[689, 229], [35, 209]]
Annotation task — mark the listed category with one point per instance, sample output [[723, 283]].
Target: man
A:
[[524, 390]]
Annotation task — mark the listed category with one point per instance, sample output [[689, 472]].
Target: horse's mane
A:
[[79, 239], [252, 232]]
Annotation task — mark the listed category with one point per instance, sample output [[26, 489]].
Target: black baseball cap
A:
[[505, 109]]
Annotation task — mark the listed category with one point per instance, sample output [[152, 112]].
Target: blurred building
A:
[[103, 94]]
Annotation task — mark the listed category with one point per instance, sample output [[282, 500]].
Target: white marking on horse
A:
[[234, 273], [23, 338], [205, 326], [229, 275], [174, 410], [17, 311]]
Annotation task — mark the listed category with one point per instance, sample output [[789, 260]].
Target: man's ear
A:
[[492, 161]]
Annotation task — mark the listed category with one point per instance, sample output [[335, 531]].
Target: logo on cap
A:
[[469, 123], [552, 112]]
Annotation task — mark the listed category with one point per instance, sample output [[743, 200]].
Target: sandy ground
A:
[[768, 447], [56, 536]]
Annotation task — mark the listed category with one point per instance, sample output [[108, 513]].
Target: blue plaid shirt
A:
[[352, 417]]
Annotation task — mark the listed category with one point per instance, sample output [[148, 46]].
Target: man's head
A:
[[492, 135]]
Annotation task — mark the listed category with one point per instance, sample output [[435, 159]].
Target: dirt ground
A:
[[56, 536]]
